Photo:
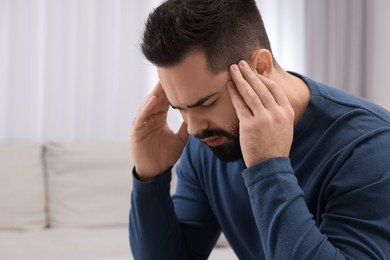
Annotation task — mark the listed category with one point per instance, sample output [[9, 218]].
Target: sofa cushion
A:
[[109, 243], [89, 183], [77, 244], [22, 187]]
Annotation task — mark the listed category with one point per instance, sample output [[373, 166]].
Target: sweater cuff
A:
[[157, 183], [267, 168]]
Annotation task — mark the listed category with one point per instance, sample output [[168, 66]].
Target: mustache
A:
[[214, 132]]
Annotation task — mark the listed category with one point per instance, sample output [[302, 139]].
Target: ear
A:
[[262, 61]]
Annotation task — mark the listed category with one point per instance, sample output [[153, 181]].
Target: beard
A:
[[228, 151]]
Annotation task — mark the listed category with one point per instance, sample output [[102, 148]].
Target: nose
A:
[[196, 122]]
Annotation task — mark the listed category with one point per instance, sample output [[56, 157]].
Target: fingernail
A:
[[234, 67], [242, 63]]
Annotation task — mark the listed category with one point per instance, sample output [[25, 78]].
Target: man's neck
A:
[[296, 90]]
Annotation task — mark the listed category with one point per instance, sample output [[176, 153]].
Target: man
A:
[[285, 167]]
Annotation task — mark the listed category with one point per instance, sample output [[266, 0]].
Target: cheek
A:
[[183, 115], [228, 110], [224, 116]]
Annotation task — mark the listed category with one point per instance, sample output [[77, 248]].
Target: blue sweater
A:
[[329, 200]]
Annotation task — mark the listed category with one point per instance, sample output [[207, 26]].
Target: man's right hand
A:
[[155, 147]]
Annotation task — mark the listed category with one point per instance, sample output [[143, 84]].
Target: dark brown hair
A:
[[226, 30]]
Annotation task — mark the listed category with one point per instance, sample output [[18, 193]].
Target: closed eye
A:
[[201, 103], [208, 105]]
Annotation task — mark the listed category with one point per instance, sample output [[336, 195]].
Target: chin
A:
[[228, 152]]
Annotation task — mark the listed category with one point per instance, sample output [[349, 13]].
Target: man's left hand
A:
[[265, 114]]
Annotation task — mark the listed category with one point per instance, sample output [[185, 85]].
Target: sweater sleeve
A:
[[356, 219], [153, 227], [182, 227]]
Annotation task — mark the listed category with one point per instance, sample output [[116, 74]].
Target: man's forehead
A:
[[188, 87]]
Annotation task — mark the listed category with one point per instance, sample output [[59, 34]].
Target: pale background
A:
[[72, 70]]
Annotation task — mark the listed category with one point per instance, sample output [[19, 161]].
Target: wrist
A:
[[143, 178]]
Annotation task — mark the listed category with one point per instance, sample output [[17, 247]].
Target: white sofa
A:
[[68, 201]]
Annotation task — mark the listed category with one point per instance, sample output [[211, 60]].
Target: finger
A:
[[258, 86], [144, 114], [155, 92], [162, 100], [248, 94], [278, 94], [156, 102], [162, 105], [239, 104]]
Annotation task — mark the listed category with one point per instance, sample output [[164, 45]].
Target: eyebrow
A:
[[196, 103]]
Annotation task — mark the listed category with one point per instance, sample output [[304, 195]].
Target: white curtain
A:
[[71, 69], [286, 28], [337, 43], [348, 46], [378, 52]]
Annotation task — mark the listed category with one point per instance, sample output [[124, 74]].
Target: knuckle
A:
[[242, 84]]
